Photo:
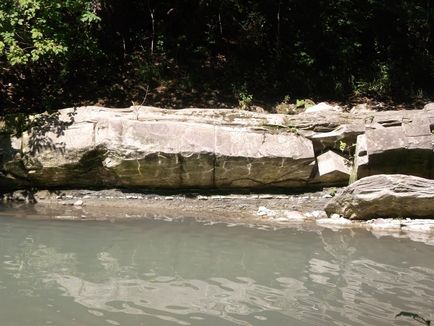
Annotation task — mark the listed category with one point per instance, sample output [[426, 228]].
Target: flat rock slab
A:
[[385, 196]]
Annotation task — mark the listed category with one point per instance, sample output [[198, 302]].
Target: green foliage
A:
[[16, 124], [379, 85], [293, 129], [245, 100], [347, 149], [44, 45], [64, 52], [342, 146], [32, 30], [286, 107], [144, 69], [89, 18], [304, 103]]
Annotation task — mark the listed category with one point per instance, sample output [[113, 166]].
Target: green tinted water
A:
[[185, 273]]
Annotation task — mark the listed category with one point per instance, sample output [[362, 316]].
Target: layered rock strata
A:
[[146, 147], [151, 148]]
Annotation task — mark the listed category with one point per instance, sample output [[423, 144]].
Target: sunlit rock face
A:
[[149, 147], [394, 195], [332, 167], [405, 149]]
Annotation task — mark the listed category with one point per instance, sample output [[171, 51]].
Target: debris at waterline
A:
[[276, 210]]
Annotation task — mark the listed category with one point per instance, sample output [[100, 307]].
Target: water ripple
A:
[[195, 275]]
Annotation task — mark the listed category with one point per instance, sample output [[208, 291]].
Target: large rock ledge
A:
[[146, 147]]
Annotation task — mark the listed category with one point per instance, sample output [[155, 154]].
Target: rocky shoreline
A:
[[234, 159], [267, 211]]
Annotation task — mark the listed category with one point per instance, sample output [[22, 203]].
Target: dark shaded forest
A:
[[182, 53]]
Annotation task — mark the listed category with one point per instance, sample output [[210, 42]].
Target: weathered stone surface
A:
[[152, 147], [239, 160], [332, 169], [405, 149], [346, 133], [328, 129], [385, 196], [328, 121], [360, 108], [360, 164], [323, 107], [149, 147], [429, 107]]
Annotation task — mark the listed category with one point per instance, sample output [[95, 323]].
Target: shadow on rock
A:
[[38, 130]]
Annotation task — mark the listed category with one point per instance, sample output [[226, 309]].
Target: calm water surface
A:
[[186, 273]]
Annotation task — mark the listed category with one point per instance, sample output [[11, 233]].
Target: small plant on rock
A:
[[245, 100], [347, 149], [304, 103], [286, 107]]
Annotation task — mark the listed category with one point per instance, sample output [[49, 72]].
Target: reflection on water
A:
[[156, 273]]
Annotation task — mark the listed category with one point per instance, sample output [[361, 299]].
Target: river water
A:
[[187, 273]]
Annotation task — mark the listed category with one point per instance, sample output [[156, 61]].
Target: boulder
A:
[[387, 196], [333, 169]]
